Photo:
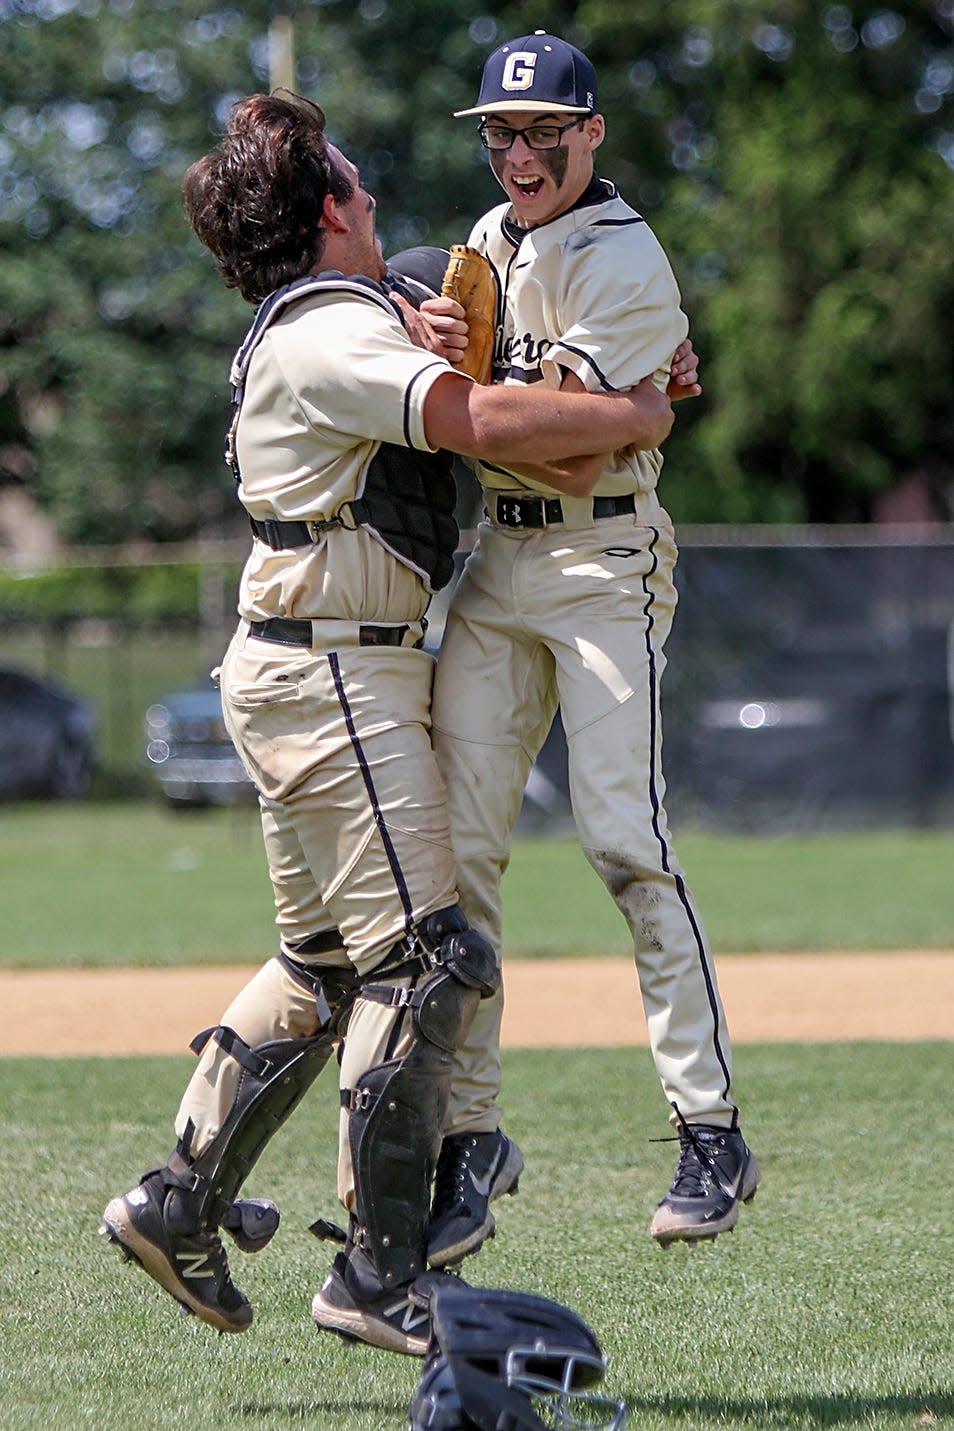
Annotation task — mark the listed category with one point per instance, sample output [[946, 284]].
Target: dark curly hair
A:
[[256, 201]]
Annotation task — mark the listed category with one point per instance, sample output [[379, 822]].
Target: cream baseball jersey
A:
[[331, 379], [591, 291]]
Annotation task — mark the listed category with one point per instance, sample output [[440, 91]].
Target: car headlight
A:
[[158, 721]]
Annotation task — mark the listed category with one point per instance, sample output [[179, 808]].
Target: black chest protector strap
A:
[[406, 498]]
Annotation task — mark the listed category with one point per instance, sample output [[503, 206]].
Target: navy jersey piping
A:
[[368, 779], [407, 405], [617, 223], [603, 380]]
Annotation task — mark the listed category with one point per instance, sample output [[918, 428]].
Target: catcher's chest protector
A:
[[407, 498]]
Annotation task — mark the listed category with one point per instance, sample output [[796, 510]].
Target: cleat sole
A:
[[118, 1226], [348, 1337], [369, 1330], [465, 1247]]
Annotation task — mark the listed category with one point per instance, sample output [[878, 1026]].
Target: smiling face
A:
[[543, 183]]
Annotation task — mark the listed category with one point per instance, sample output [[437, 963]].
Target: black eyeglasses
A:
[[535, 136]]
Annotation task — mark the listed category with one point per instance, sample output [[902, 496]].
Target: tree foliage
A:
[[796, 157]]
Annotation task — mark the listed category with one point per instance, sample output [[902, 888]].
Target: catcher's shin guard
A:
[[397, 1108], [274, 1078]]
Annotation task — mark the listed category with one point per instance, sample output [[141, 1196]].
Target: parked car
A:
[[46, 740], [190, 753]]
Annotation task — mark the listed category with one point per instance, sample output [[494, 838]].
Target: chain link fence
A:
[[810, 679]]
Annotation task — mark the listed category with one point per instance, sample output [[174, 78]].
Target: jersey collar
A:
[[597, 191]]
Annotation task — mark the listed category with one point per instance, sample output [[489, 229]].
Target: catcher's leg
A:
[[393, 1114], [169, 1222]]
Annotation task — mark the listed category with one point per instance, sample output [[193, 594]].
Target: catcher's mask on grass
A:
[[500, 1359]]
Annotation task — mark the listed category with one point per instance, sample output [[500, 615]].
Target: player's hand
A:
[[652, 406], [653, 410], [684, 373], [438, 326], [448, 323]]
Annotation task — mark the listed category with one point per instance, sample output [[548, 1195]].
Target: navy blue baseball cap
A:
[[534, 74]]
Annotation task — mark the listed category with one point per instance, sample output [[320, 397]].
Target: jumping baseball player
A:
[[568, 600], [338, 422]]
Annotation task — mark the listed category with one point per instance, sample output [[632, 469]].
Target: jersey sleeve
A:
[[618, 315], [356, 374]]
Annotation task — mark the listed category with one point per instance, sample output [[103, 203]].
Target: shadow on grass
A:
[[788, 1411], [306, 1410]]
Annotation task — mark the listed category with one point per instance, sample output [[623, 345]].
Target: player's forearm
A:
[[540, 426], [508, 424]]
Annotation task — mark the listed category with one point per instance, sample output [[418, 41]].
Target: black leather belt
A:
[[281, 536], [540, 512], [298, 633]]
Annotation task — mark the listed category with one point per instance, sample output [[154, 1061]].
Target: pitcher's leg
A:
[[616, 789], [494, 701], [486, 750], [609, 684]]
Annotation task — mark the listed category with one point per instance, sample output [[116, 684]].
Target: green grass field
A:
[[134, 883], [830, 1306]]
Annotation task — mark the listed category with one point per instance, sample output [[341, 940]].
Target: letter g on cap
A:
[[518, 71]]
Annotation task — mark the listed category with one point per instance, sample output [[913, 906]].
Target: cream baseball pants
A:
[[337, 740], [577, 615]]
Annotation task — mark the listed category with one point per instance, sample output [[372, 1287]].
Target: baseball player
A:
[[568, 600], [338, 423]]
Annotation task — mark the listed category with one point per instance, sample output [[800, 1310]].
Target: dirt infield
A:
[[551, 1003]]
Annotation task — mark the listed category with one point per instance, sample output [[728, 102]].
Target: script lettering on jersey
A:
[[524, 356]]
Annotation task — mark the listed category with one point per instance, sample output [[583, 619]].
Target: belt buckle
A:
[[369, 635], [514, 511]]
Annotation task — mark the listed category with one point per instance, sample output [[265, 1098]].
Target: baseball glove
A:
[[469, 280]]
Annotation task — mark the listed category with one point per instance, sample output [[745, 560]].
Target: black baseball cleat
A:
[[716, 1172], [395, 1321], [473, 1169], [155, 1225]]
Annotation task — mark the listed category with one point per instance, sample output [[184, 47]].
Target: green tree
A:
[[109, 320], [812, 212], [795, 157]]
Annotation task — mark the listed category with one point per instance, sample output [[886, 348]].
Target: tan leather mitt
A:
[[470, 281]]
